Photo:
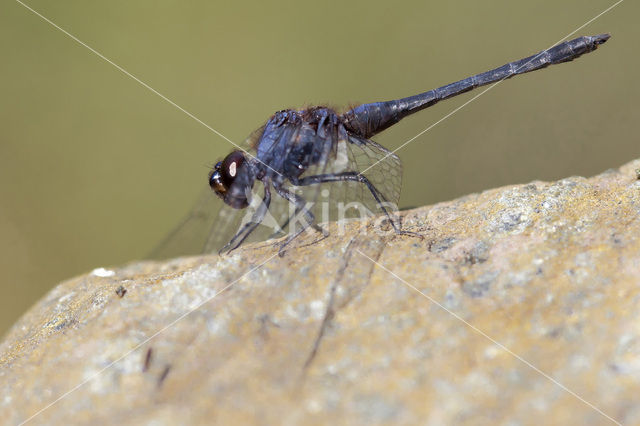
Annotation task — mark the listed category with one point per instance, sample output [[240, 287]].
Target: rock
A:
[[520, 306]]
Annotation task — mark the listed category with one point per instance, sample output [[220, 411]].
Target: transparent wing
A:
[[211, 224], [379, 165], [351, 199], [191, 234]]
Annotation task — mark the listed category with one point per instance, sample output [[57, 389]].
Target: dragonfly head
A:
[[230, 179]]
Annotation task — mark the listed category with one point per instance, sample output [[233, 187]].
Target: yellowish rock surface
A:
[[520, 306]]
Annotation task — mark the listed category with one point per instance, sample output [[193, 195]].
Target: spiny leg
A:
[[355, 177], [250, 226], [309, 221]]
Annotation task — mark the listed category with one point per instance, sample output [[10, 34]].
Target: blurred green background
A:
[[95, 169]]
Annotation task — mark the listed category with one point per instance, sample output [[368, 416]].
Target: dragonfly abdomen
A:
[[368, 119]]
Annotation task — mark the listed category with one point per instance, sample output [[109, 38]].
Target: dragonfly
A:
[[298, 152]]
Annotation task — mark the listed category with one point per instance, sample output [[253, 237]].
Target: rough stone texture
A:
[[549, 270]]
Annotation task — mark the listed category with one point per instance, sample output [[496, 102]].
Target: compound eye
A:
[[225, 172], [216, 183], [231, 164]]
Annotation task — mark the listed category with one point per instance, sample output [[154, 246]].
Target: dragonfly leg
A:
[[250, 226], [281, 232], [309, 218], [284, 225], [355, 177]]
